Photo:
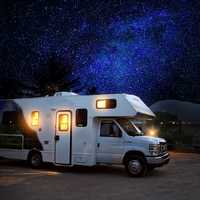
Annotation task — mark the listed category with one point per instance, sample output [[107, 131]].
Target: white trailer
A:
[[70, 129]]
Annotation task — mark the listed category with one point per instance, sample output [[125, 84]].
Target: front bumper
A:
[[158, 161]]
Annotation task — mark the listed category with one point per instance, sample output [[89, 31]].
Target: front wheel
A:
[[136, 166]]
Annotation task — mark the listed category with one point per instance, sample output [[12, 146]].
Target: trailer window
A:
[[35, 118], [110, 129], [106, 103], [81, 117], [10, 118]]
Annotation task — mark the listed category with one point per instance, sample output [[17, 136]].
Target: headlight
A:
[[154, 149]]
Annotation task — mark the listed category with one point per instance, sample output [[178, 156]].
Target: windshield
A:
[[129, 127]]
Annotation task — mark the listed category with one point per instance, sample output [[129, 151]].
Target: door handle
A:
[[98, 145], [57, 137]]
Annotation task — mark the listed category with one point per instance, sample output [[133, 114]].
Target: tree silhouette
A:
[[54, 76], [92, 90], [11, 88]]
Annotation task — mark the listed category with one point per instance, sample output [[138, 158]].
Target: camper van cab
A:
[[69, 129]]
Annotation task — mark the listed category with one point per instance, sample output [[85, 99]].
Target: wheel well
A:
[[132, 153], [33, 151]]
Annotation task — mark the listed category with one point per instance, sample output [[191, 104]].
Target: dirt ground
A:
[[180, 179]]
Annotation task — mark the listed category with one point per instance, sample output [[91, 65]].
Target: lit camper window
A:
[[35, 118], [106, 103], [63, 122]]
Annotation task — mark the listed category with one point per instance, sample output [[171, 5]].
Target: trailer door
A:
[[63, 137]]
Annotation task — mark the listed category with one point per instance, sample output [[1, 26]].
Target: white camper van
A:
[[70, 129]]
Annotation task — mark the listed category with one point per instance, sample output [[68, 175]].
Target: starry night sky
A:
[[149, 48]]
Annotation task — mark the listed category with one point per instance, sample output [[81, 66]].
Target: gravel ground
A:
[[180, 179]]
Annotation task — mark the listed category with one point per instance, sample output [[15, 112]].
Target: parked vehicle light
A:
[[152, 132], [154, 149]]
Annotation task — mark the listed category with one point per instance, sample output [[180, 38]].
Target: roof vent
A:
[[64, 94]]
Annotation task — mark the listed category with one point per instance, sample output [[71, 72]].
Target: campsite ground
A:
[[180, 179]]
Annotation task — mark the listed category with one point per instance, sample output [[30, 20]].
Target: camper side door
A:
[[110, 143], [63, 137]]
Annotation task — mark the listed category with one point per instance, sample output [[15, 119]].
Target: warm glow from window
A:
[[106, 103], [35, 118], [63, 122], [101, 103]]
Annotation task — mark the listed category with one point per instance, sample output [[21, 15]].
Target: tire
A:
[[136, 166], [35, 160]]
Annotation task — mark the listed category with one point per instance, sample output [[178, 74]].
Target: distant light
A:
[[152, 132]]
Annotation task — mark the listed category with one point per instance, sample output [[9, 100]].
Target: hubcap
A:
[[134, 167], [35, 160]]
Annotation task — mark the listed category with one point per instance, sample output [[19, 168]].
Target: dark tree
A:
[[11, 88], [55, 75], [92, 90], [52, 76]]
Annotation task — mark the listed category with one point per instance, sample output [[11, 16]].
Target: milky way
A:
[[147, 48]]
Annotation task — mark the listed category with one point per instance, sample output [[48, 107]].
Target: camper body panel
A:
[[46, 129], [47, 124], [14, 153], [83, 140]]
